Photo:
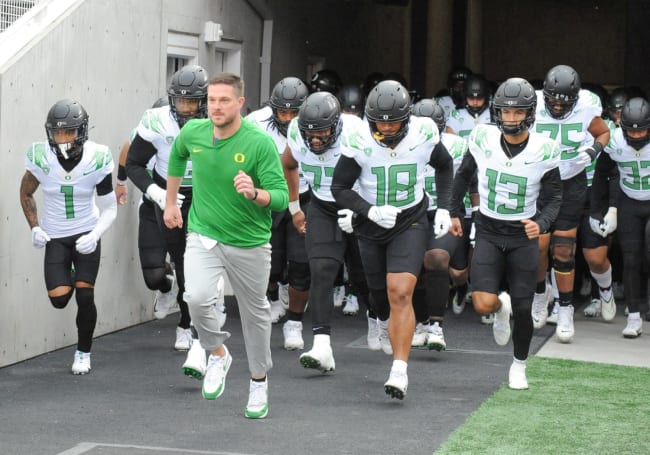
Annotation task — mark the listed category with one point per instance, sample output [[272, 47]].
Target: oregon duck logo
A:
[[239, 157]]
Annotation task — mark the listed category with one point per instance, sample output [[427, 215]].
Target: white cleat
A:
[[420, 335], [539, 310], [183, 339], [196, 361], [608, 308], [634, 326], [593, 309], [397, 384], [292, 331], [384, 339], [436, 338], [165, 302], [517, 376], [351, 307], [565, 329], [320, 357], [552, 318], [81, 364], [501, 327]]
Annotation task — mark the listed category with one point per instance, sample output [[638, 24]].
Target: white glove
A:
[[345, 220], [596, 226], [159, 196], [86, 244], [609, 221], [384, 215], [472, 235], [441, 223], [39, 237]]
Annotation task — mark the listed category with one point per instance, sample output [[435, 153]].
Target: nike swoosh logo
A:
[[196, 150]]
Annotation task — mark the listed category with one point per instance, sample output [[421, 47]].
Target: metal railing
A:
[[10, 10]]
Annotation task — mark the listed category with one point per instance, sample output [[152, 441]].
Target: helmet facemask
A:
[[183, 117], [389, 140], [565, 102]]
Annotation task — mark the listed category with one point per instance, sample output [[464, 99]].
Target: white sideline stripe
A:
[[85, 447]]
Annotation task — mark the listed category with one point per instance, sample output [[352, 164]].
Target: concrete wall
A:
[[111, 56]]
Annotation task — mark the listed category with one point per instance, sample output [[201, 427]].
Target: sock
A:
[[520, 362], [541, 287], [399, 366], [259, 380]]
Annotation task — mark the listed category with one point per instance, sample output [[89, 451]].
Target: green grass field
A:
[[571, 408]]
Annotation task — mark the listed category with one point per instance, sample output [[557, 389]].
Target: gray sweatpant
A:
[[248, 272]]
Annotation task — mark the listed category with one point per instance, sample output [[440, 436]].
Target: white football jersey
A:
[[570, 132], [391, 176], [69, 197], [160, 128], [318, 169], [633, 166], [509, 187], [462, 122], [456, 146], [447, 104], [263, 119]]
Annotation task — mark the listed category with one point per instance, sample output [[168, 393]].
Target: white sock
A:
[[399, 366], [604, 279]]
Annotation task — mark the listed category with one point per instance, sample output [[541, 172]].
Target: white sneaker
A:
[[517, 376], [373, 334], [277, 311], [420, 335], [320, 357], [565, 329], [633, 328], [501, 327], [258, 400], [593, 309], [351, 307], [165, 301], [585, 289], [339, 295], [487, 319], [397, 384], [608, 309], [81, 364], [214, 382], [458, 303], [283, 294], [552, 318], [539, 310], [384, 339], [436, 338], [183, 339], [195, 362], [292, 331]]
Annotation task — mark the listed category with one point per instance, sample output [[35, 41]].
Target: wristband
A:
[[475, 208], [256, 193], [121, 173], [294, 207]]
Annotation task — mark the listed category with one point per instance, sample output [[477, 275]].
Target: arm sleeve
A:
[[464, 176], [551, 186], [441, 161], [604, 188], [140, 152], [105, 186], [347, 172]]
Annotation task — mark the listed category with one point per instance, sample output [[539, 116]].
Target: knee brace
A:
[[156, 279], [561, 266], [299, 277], [61, 301]]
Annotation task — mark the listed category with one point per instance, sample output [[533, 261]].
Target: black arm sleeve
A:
[[605, 183], [347, 172], [552, 189], [140, 152], [441, 161], [465, 175], [105, 186]]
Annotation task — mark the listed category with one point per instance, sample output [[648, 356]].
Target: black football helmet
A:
[[429, 108], [615, 103], [321, 111], [371, 80], [189, 82], [561, 89], [515, 93], [388, 102], [287, 95], [67, 114], [456, 84], [351, 100], [477, 87], [160, 102], [326, 81], [636, 117]]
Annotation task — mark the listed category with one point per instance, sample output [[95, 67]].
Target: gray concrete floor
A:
[[137, 401]]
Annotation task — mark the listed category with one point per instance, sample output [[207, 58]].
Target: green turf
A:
[[571, 408]]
